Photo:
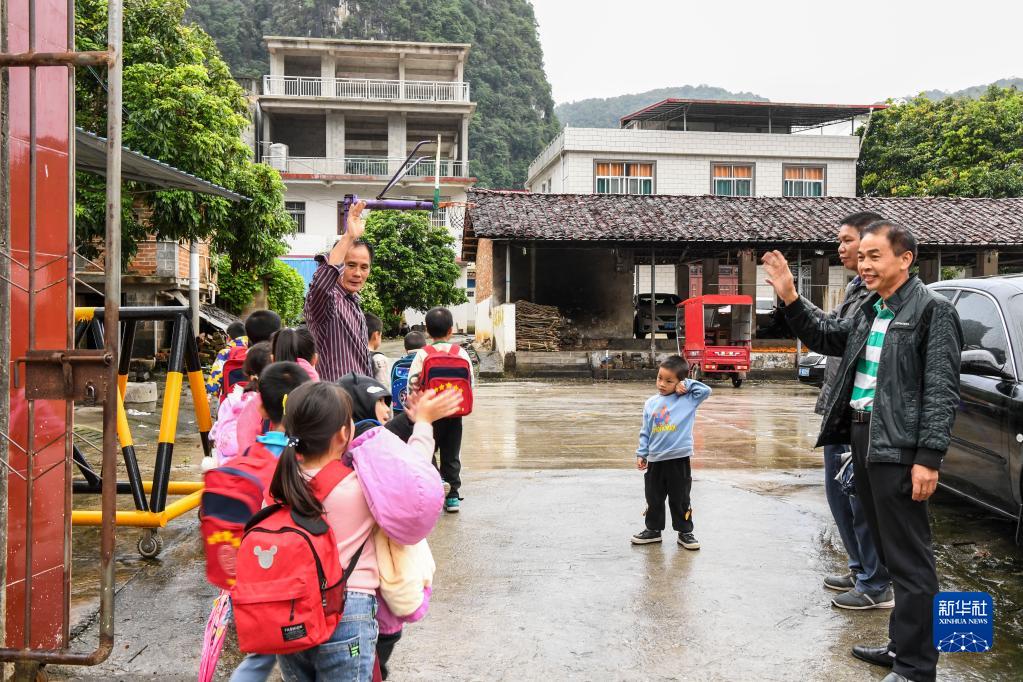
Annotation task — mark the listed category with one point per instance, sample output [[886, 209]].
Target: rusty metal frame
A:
[[112, 59]]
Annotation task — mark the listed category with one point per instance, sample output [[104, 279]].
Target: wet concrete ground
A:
[[536, 577]]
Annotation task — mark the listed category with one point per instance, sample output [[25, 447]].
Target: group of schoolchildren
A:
[[320, 495]]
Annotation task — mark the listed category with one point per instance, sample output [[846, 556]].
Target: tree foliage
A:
[[514, 118], [235, 287], [285, 291], [605, 112], [413, 265], [953, 147], [182, 107]]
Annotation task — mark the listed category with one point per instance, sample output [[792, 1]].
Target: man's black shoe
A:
[[879, 655], [646, 536]]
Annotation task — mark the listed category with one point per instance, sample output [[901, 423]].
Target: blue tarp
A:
[[304, 266]]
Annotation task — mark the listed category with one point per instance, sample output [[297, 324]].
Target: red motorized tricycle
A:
[[715, 335]]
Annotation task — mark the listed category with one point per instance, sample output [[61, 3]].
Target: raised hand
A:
[[356, 223], [434, 405], [779, 276]]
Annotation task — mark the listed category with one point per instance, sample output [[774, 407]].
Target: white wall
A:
[[665, 275], [683, 159]]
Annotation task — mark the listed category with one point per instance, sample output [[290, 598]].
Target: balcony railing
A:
[[363, 165], [366, 89]]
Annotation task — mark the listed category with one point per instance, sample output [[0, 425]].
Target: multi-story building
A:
[[697, 147], [339, 117]]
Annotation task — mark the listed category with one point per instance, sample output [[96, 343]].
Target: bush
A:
[[236, 289], [285, 289], [285, 292]]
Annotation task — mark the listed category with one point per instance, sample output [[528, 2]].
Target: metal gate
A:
[[46, 374]]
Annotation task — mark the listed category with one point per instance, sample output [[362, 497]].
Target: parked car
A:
[[985, 459], [664, 309], [811, 369]]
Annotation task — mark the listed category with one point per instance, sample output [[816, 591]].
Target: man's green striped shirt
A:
[[866, 366]]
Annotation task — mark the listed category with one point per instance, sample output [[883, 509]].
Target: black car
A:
[[811, 369], [985, 459]]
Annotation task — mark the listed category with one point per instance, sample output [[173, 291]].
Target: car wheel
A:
[[736, 381], [695, 372], [640, 335]]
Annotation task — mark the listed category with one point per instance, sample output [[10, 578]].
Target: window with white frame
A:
[[624, 178], [296, 209], [803, 181], [732, 180]]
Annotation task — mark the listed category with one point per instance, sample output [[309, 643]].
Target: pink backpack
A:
[[402, 488]]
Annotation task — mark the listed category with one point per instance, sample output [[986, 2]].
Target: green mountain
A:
[[972, 92], [605, 112], [514, 118]]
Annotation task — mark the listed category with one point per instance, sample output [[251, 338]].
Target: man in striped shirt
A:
[[332, 309], [894, 399]]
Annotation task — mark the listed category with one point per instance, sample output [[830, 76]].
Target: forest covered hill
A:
[[604, 112]]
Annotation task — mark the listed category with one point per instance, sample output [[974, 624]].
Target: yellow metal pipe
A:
[[123, 432], [202, 405], [122, 383], [176, 487], [140, 519], [171, 401], [84, 314]]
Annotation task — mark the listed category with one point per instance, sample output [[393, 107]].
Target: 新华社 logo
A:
[[963, 622]]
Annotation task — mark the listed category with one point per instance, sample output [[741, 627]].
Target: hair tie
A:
[[293, 441], [284, 404]]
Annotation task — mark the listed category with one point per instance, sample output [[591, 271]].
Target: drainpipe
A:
[[193, 285]]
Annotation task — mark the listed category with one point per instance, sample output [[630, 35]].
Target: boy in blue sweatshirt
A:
[[665, 450]]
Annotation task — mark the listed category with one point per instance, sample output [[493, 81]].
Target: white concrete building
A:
[[698, 147], [339, 117]]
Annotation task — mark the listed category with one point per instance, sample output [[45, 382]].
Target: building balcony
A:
[[362, 89], [380, 167]]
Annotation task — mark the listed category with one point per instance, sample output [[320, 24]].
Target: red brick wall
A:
[[144, 262]]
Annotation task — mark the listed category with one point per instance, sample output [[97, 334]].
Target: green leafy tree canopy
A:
[[182, 107], [413, 265], [953, 147]]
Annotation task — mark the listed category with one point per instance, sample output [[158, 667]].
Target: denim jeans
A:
[[864, 563], [254, 668], [349, 654]]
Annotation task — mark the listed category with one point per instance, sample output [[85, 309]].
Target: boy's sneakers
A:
[[646, 536], [688, 541], [840, 583], [451, 505], [861, 601]]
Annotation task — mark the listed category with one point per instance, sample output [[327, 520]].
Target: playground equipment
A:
[[717, 335], [154, 513]]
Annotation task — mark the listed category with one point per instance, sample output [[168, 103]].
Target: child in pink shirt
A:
[[318, 421]]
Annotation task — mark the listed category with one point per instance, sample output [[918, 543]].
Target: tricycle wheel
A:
[[671, 335], [736, 380], [695, 372], [150, 544], [640, 335]]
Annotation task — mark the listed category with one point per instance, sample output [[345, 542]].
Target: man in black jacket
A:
[[894, 400], [866, 585]]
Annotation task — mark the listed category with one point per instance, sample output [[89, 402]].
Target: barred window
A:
[[296, 209], [733, 180], [625, 178]]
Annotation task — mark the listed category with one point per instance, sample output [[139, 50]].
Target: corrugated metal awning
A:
[[91, 157]]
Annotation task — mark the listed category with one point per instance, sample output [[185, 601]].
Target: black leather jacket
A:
[[917, 379], [855, 294]]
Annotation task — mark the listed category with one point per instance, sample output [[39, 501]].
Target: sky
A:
[[825, 51]]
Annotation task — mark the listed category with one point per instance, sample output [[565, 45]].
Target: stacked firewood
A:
[[539, 327]]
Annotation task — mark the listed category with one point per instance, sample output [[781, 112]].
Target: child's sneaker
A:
[[688, 541], [447, 489], [451, 505], [646, 536]]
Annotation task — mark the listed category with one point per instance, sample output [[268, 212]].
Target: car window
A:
[[947, 293], [1015, 313], [982, 326]]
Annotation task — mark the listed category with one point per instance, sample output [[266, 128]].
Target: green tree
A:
[[413, 266], [182, 107], [285, 291], [606, 112], [952, 147], [514, 117], [235, 287]]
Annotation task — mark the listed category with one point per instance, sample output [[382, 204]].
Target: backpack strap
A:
[[328, 478], [454, 350], [430, 350]]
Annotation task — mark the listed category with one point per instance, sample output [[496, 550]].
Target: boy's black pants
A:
[[447, 433], [672, 479]]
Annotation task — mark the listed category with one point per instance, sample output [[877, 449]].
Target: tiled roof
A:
[[937, 221]]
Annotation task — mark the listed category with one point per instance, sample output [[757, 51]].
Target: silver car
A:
[[664, 309]]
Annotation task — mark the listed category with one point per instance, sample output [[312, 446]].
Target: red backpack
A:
[[448, 369], [232, 495], [289, 592], [234, 370]]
